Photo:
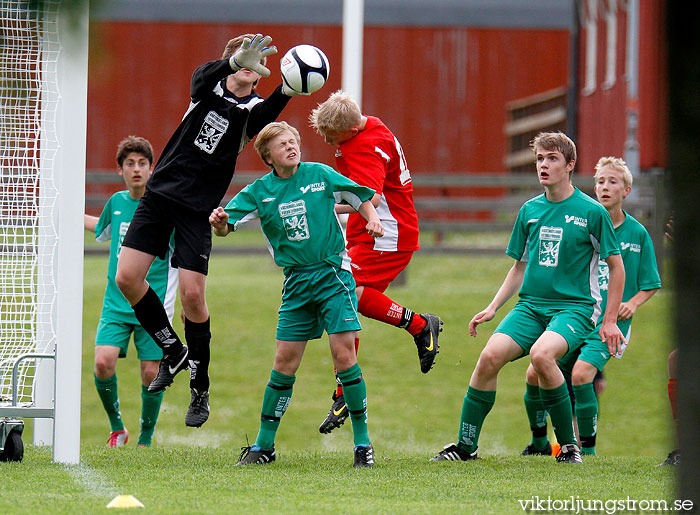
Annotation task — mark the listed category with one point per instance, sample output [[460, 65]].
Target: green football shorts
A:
[[118, 334], [592, 351], [526, 322], [316, 298]]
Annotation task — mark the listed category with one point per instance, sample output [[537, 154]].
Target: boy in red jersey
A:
[[369, 154]]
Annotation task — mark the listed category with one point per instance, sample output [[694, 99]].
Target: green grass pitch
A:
[[411, 415]]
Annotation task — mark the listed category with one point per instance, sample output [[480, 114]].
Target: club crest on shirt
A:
[[211, 132], [293, 216], [550, 239]]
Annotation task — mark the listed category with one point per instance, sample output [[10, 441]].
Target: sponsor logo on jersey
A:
[[532, 221], [211, 132], [572, 329], [316, 186], [582, 222], [117, 213], [269, 199], [550, 239], [633, 247]]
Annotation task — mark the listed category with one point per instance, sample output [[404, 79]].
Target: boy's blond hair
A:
[[134, 144], [339, 113], [616, 163], [555, 141], [269, 132]]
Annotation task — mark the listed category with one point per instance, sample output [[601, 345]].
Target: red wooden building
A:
[[462, 86]]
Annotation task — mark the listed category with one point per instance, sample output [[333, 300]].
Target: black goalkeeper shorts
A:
[[156, 218]]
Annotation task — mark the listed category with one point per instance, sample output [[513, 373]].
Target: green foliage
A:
[[411, 415]]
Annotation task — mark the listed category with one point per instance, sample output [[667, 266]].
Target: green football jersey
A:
[[112, 225], [561, 243], [641, 272], [297, 214]]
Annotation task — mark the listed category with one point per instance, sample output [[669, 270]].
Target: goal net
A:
[[43, 107], [28, 99]]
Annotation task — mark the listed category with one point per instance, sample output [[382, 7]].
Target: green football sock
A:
[[558, 403], [586, 416], [150, 408], [476, 405], [107, 390], [537, 416], [355, 392], [278, 394]]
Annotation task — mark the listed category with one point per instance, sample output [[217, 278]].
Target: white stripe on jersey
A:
[[189, 109], [526, 251], [271, 250], [382, 153], [346, 263], [247, 218], [593, 281], [106, 234], [348, 197], [390, 241]]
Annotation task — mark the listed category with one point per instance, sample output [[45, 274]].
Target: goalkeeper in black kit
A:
[[189, 181]]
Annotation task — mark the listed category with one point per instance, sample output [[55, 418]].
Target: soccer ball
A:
[[304, 68]]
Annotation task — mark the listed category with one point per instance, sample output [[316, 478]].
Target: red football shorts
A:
[[375, 268]]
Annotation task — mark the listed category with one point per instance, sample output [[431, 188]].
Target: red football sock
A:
[[339, 389], [417, 325], [374, 304], [672, 392]]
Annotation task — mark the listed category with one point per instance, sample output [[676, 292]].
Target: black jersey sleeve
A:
[[207, 76], [266, 112]]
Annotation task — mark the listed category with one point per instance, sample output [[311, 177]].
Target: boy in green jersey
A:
[[295, 203], [117, 321], [613, 182], [557, 240]]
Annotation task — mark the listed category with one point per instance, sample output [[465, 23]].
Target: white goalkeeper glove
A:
[[286, 90], [250, 54]]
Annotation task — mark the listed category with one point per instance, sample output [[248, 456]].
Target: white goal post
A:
[[43, 108]]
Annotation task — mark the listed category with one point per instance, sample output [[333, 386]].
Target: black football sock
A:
[[198, 337], [151, 315]]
